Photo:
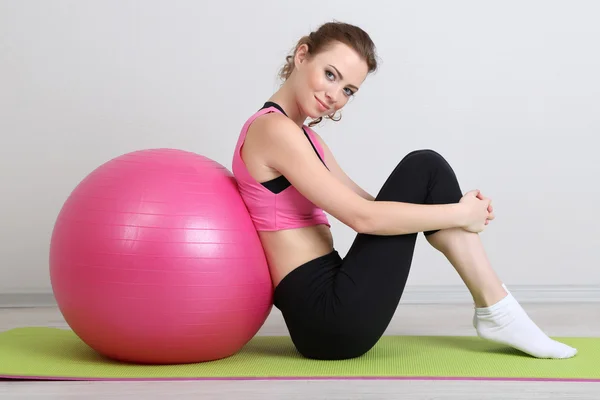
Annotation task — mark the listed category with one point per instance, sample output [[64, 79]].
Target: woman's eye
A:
[[331, 76]]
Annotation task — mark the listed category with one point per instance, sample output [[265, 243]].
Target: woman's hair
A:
[[325, 36]]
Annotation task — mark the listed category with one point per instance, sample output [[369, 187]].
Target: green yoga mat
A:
[[57, 354]]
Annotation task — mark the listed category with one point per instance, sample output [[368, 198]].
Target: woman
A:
[[338, 308]]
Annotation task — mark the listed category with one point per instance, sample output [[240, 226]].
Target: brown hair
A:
[[324, 36]]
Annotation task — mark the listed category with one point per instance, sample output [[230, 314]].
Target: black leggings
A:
[[338, 308]]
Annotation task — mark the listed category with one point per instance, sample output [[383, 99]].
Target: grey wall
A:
[[508, 92]]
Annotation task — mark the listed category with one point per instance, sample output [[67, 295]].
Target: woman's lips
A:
[[322, 105]]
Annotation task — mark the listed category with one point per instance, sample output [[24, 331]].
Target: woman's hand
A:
[[491, 215], [476, 211]]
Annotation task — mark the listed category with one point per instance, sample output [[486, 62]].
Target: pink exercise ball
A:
[[154, 259]]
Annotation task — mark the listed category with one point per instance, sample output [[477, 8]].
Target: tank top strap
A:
[[315, 141]]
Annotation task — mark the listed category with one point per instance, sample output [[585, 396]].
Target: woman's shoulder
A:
[[272, 123]]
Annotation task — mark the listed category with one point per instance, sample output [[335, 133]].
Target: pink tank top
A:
[[268, 210]]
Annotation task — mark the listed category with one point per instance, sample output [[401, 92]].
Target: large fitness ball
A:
[[154, 259]]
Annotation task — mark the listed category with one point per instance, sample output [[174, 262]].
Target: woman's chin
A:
[[312, 112]]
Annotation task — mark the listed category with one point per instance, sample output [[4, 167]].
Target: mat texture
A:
[[58, 354]]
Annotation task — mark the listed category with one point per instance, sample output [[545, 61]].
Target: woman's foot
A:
[[506, 322]]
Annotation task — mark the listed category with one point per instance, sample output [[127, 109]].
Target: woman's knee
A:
[[427, 156], [422, 176], [428, 160]]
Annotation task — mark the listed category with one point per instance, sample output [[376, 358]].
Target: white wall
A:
[[509, 92]]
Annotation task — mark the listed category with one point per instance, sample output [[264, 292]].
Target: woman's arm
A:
[[288, 152]]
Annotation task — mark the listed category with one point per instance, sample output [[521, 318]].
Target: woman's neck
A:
[[284, 99]]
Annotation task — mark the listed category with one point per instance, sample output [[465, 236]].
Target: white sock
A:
[[506, 322], [475, 307]]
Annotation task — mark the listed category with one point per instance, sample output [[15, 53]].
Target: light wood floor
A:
[[570, 319]]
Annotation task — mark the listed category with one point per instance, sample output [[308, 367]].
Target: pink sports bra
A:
[[276, 204]]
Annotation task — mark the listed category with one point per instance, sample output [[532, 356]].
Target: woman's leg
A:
[[498, 316], [466, 254], [373, 275], [371, 280]]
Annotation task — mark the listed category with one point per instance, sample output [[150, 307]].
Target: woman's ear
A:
[[301, 54]]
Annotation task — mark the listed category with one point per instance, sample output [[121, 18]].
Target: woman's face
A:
[[327, 81]]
